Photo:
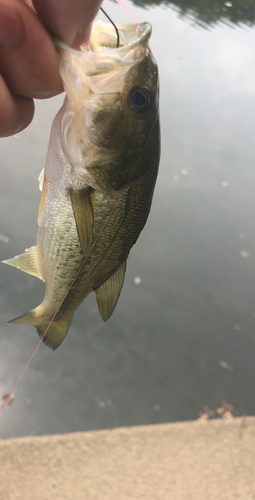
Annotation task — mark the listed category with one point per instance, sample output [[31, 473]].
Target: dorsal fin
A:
[[108, 293], [84, 217], [27, 262]]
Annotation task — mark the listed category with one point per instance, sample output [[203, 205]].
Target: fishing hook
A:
[[115, 27]]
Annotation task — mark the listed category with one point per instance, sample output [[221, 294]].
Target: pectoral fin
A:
[[41, 179], [84, 217], [27, 262], [108, 293]]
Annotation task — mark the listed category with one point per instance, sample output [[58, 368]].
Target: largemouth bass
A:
[[104, 143]]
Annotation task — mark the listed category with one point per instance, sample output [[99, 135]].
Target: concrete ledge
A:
[[181, 461]]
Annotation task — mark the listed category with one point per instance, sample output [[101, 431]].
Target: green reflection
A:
[[209, 12]]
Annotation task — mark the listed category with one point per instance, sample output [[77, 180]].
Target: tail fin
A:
[[55, 333]]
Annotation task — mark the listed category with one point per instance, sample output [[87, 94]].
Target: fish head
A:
[[112, 100]]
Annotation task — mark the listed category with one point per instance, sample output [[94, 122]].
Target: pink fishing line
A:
[[98, 236], [133, 17], [126, 9]]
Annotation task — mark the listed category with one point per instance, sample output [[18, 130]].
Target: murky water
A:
[[157, 358]]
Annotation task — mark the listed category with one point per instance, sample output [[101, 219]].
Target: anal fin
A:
[[84, 217], [108, 293], [56, 330], [27, 262]]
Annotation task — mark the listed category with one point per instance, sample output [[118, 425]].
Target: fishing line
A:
[[93, 245], [126, 9], [133, 17], [115, 27]]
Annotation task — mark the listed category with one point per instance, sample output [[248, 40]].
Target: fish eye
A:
[[139, 99]]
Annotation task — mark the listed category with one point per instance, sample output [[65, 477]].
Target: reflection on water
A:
[[165, 352], [209, 13]]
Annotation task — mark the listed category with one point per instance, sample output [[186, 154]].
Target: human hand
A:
[[28, 60]]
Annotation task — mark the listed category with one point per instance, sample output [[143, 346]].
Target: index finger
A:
[[70, 20]]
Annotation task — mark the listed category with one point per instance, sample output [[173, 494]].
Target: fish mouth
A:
[[101, 67], [102, 56], [103, 38]]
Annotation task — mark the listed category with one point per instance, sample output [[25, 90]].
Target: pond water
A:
[[184, 337]]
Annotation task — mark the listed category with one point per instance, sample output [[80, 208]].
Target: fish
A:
[[99, 177]]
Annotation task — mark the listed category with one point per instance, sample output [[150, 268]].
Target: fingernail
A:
[[12, 31]]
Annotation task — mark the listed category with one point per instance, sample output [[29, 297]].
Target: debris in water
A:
[[220, 411], [227, 415], [228, 4], [102, 404], [244, 254], [4, 238], [157, 407], [238, 328], [137, 280], [6, 399], [206, 413], [228, 407], [225, 183], [184, 171], [225, 411], [226, 365], [202, 416]]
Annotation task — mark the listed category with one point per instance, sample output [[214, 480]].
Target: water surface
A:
[[157, 358]]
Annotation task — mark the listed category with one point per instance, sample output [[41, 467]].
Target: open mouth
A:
[[103, 36]]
